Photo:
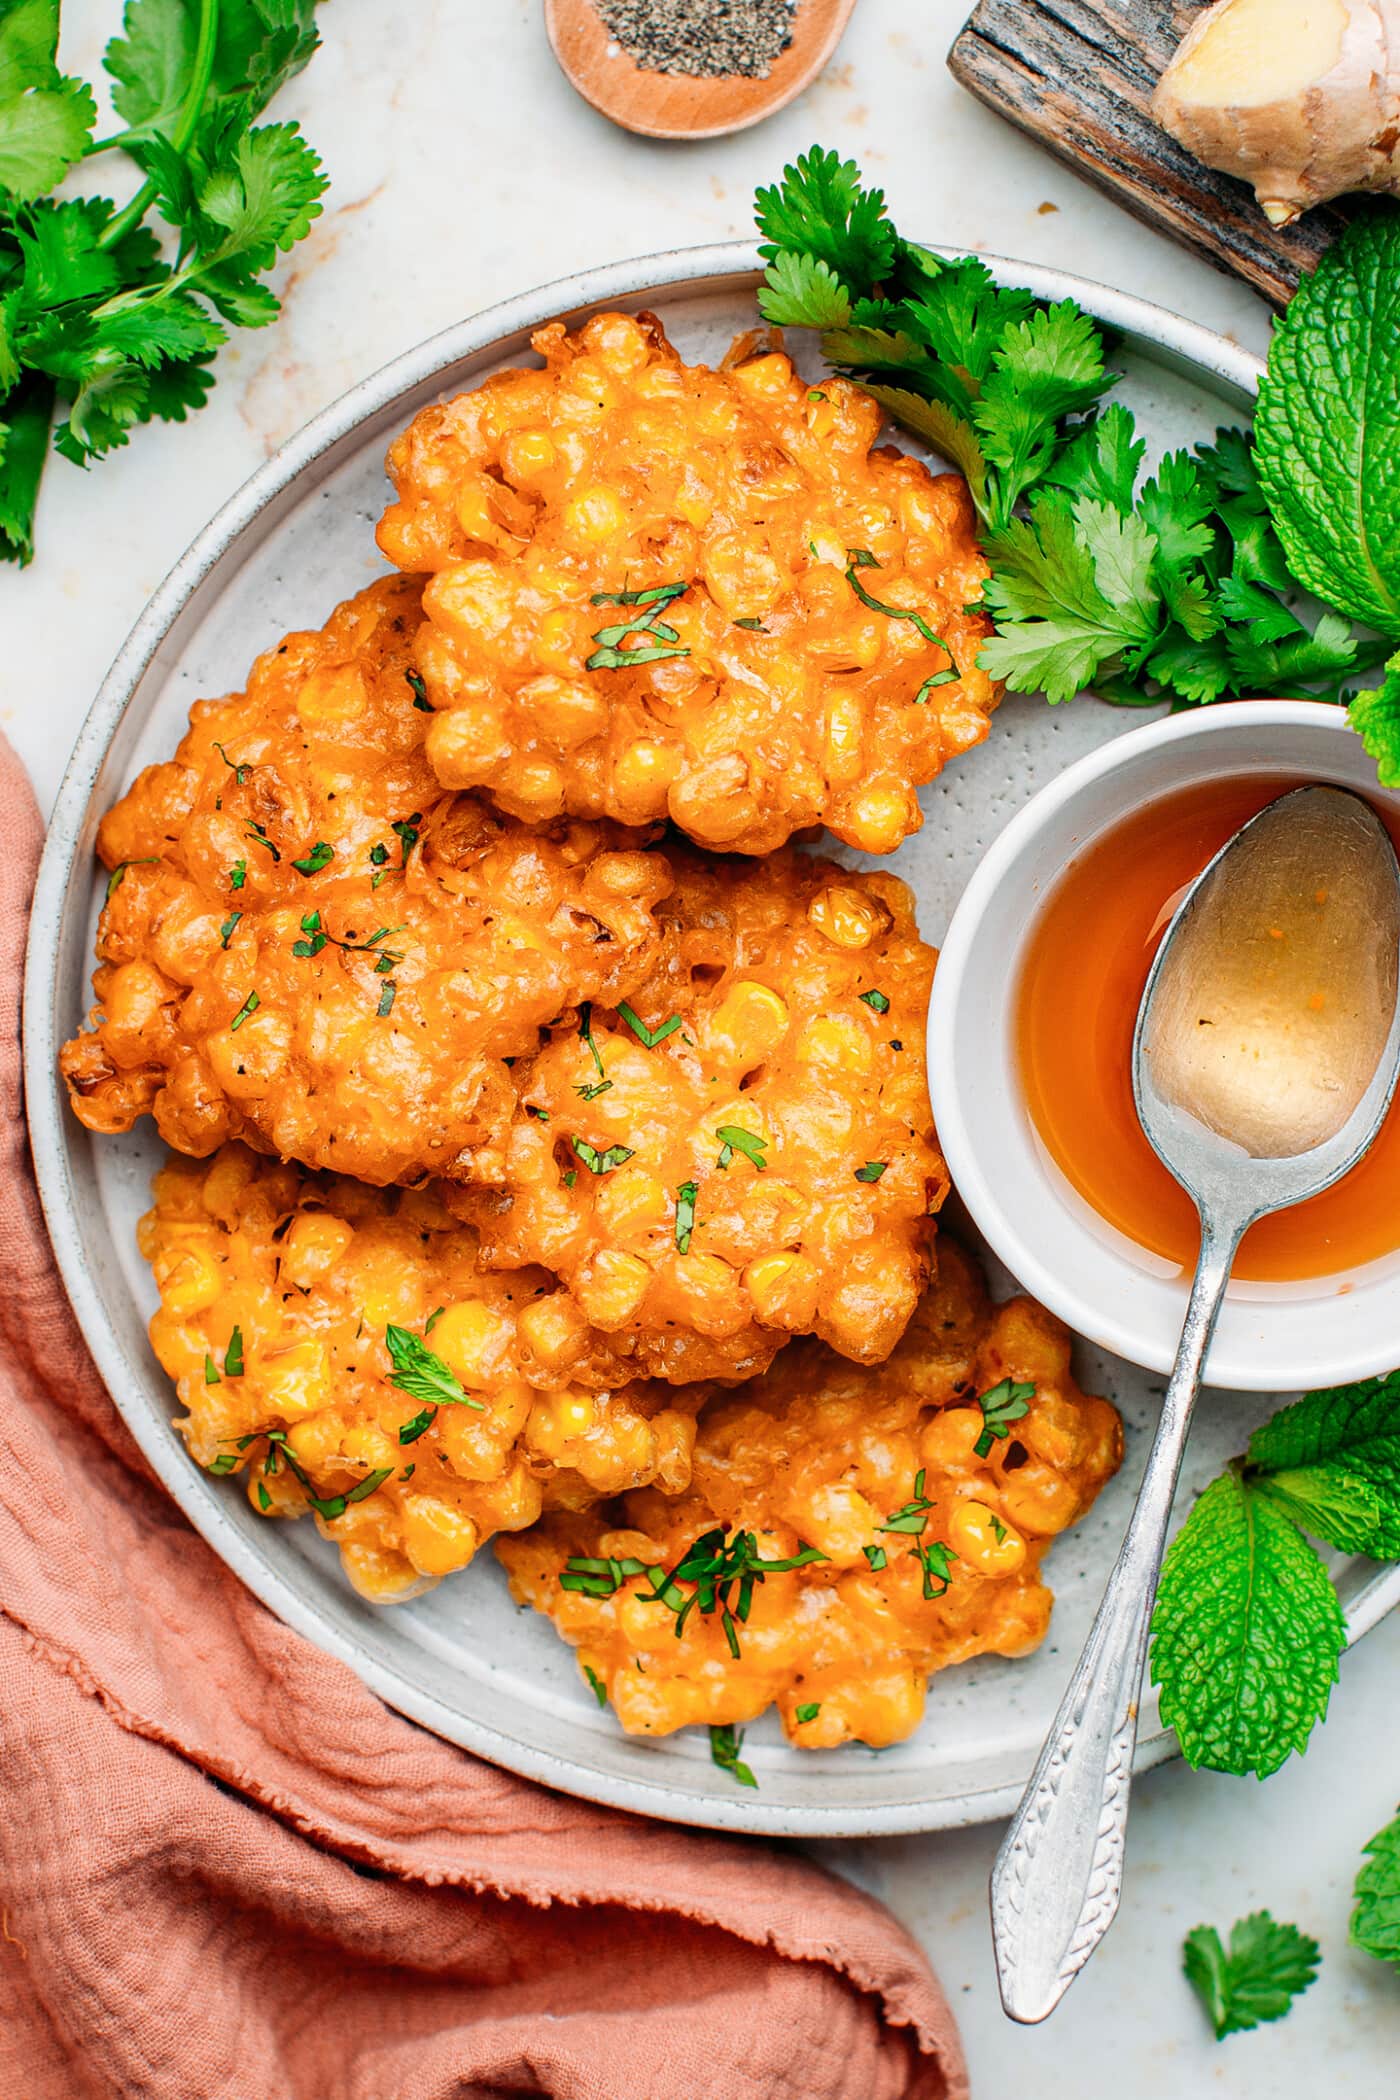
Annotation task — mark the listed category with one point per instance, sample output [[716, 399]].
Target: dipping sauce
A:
[[1090, 950]]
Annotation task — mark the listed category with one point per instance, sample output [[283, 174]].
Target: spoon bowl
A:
[[679, 105], [1265, 1056]]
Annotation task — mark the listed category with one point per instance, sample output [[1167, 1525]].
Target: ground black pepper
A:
[[709, 39]]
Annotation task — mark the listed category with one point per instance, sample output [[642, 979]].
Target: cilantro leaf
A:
[[1328, 426], [24, 437], [1102, 459], [1246, 1632], [801, 291], [820, 209], [1375, 1922], [1266, 1967], [725, 1745], [1056, 627], [1375, 716], [46, 118]]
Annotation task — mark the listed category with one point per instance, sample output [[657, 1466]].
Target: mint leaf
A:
[[1329, 1503], [1375, 716], [1328, 428], [1246, 1632], [1266, 1968], [421, 1373], [1353, 1430], [1375, 1922]]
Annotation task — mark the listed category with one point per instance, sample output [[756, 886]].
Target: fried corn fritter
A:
[[745, 1152], [292, 1302], [661, 590], [929, 1528], [308, 945]]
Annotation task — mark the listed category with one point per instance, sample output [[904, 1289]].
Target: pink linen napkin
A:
[[227, 1872]]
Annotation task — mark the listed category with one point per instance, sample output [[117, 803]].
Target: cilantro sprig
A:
[[1247, 1630], [97, 316], [1256, 1978], [1180, 586]]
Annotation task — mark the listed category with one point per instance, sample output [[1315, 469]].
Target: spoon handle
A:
[[1056, 1882]]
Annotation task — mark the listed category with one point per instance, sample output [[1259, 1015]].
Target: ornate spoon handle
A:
[[1057, 1878]]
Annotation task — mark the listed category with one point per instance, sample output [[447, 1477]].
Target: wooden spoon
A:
[[674, 105]]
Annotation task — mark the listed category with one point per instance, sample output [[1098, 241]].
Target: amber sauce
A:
[[1086, 965]]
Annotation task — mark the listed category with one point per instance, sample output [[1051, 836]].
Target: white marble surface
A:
[[465, 169]]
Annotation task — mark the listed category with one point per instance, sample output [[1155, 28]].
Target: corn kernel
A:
[[313, 1246], [568, 712], [558, 1421], [632, 1204], [465, 744], [642, 772], [595, 515], [437, 1537], [553, 644], [527, 454], [973, 1536], [747, 1025], [838, 1521], [767, 377], [949, 1435], [470, 1338], [191, 1284], [843, 736], [296, 1380], [840, 1044], [226, 1180], [335, 694], [316, 1439], [782, 1289], [473, 602], [554, 1330], [611, 1287], [531, 788], [882, 818], [378, 1573], [845, 916]]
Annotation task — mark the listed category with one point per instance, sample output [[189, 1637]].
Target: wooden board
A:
[[1079, 75]]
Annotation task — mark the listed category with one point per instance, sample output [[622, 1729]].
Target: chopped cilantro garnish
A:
[[685, 1216], [320, 856], [612, 654], [420, 692], [877, 1557], [585, 1029], [238, 875], [240, 773], [591, 1093], [250, 1006], [233, 1355], [876, 1001], [725, 1745], [861, 558], [541, 1115], [734, 1138], [118, 874], [914, 1515], [226, 930], [872, 1170], [935, 1559], [1001, 1406], [211, 1374], [386, 999], [409, 1432], [650, 1036], [600, 1690], [810, 1711], [754, 626], [601, 1162], [259, 837]]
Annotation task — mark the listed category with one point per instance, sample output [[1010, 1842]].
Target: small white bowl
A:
[[1272, 1336]]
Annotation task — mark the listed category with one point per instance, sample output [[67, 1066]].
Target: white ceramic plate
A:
[[462, 1660]]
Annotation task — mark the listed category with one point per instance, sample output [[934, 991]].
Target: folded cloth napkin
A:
[[227, 1872]]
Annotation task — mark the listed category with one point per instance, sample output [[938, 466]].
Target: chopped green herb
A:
[[931, 685], [433, 1317], [378, 855], [211, 1375], [685, 1216], [571, 1177], [935, 1559], [118, 874], [406, 831], [872, 1170], [914, 1515], [409, 1471], [860, 558], [238, 875], [725, 1745], [601, 1162], [421, 1373], [876, 1001], [264, 1499], [734, 1138], [815, 394], [600, 1690], [754, 626], [601, 1577], [386, 999], [420, 692], [591, 1093], [233, 1355], [541, 1115], [809, 1712], [660, 595], [585, 1029], [240, 773], [259, 837], [226, 930], [320, 856], [409, 1432], [1001, 1406], [612, 654], [998, 1530], [877, 1557], [224, 1463], [650, 1036], [250, 1006]]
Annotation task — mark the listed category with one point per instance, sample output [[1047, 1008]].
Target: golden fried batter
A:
[[878, 1471], [308, 945], [281, 1294], [662, 590], [748, 1153]]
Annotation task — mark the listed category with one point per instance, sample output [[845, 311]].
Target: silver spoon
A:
[[1264, 1060]]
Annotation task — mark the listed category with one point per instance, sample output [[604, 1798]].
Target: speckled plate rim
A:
[[1180, 344]]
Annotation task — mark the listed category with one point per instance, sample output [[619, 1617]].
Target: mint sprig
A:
[[1375, 1921]]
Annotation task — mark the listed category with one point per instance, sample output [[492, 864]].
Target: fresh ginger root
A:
[[1301, 98]]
